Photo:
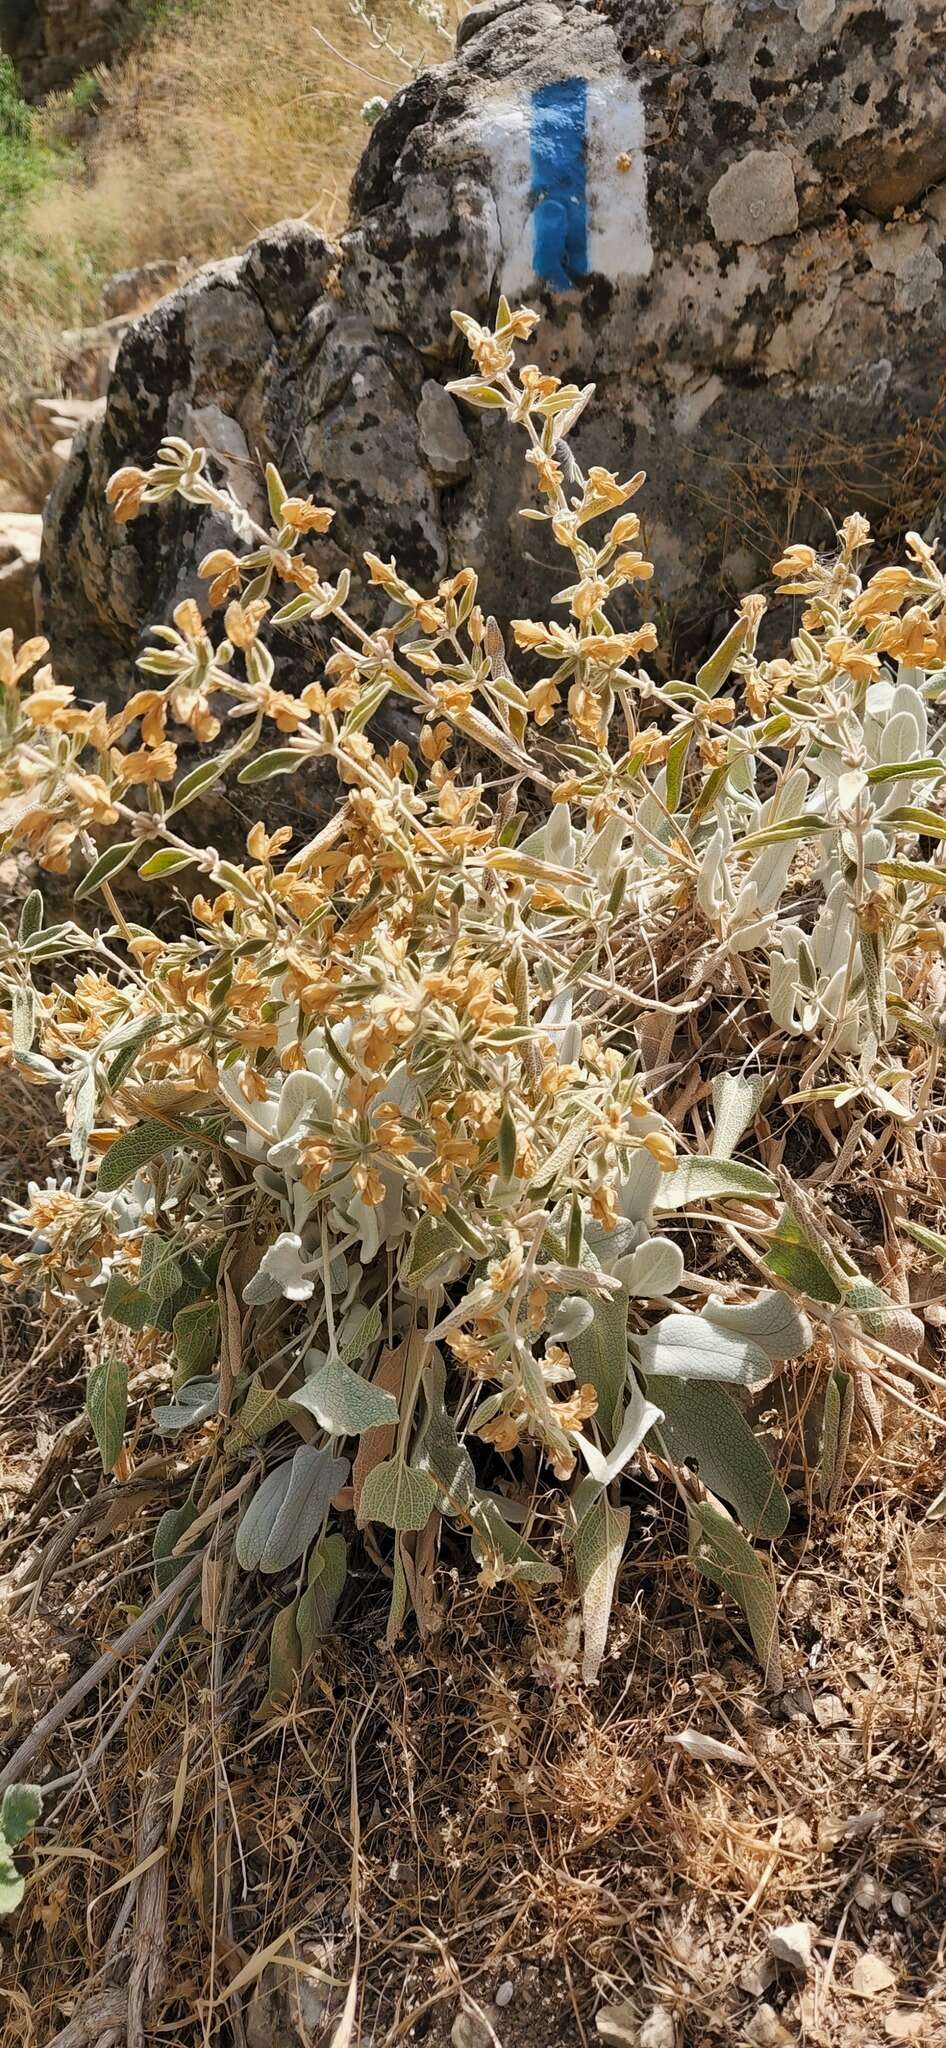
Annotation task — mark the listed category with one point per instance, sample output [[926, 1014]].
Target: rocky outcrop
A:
[[733, 218], [52, 41]]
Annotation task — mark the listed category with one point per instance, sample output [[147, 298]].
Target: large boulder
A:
[[732, 218]]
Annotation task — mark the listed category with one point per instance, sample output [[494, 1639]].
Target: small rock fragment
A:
[[766, 2030], [504, 1994], [470, 2030], [441, 436], [900, 1904], [905, 2023], [755, 199], [754, 1978], [830, 1712], [658, 2030], [870, 1976], [791, 1944], [618, 2023], [868, 1894]]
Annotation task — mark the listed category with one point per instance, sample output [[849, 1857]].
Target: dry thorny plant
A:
[[383, 1154]]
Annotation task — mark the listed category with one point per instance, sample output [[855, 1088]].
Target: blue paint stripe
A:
[[559, 182]]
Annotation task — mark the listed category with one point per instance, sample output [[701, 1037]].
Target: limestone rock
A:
[[755, 199], [714, 244]]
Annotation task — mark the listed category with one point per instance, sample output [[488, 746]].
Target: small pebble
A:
[[791, 1944], [658, 2030], [901, 1905], [766, 2030], [504, 1994]]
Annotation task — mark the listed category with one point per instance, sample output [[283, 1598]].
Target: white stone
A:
[[791, 1944], [755, 199], [658, 2030]]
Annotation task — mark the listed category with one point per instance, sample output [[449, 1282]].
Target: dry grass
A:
[[504, 1825], [227, 119]]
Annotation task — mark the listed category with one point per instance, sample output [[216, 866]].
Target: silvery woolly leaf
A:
[[640, 1416], [707, 1180], [284, 1270], [259, 1515], [771, 1320], [598, 1549], [83, 1116], [654, 1269], [196, 1402], [315, 1477], [573, 1314], [358, 1332], [721, 1552], [703, 1422], [692, 1348], [343, 1402], [736, 1097], [599, 1357]]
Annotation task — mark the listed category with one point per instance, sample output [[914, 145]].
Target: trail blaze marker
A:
[[570, 183]]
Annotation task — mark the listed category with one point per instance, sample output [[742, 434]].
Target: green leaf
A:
[[708, 1180], [835, 1432], [714, 672], [676, 767], [106, 1401], [21, 1809], [689, 1347], [279, 761], [108, 864], [929, 1239], [136, 1148], [599, 1357], [262, 1411], [359, 1333], [343, 1402], [31, 916], [158, 1272], [495, 1542], [720, 1551], [196, 1340], [431, 1249], [599, 1546], [736, 1098], [793, 1258], [169, 861], [174, 1524], [770, 1319], [288, 1509], [285, 1658], [328, 1567], [200, 778], [127, 1304], [398, 1495], [703, 1423], [12, 1885]]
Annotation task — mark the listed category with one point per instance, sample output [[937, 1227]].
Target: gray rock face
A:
[[731, 217]]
